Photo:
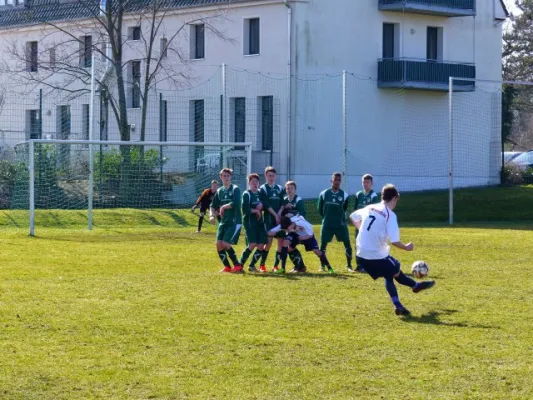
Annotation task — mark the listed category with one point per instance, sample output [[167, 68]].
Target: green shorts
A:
[[327, 234], [228, 233], [255, 233]]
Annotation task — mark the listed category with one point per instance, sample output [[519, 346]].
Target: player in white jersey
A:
[[378, 225], [299, 231]]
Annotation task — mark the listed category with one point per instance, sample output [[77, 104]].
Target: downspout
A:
[[109, 66], [289, 70]]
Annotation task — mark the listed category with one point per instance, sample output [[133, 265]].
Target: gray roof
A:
[[35, 12]]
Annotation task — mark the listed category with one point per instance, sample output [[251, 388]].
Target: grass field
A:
[[140, 313]]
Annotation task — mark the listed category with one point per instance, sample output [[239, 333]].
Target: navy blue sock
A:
[[283, 256], [393, 293], [403, 279], [348, 252]]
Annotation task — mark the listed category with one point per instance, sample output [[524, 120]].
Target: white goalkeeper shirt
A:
[[303, 228], [378, 226]]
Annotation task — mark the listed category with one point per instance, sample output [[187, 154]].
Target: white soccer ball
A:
[[420, 269]]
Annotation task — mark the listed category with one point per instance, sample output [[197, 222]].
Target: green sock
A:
[[232, 256], [245, 254], [224, 258]]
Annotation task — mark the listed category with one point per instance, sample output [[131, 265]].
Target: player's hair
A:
[[368, 177], [228, 170], [270, 169], [214, 181], [389, 192], [285, 222], [252, 176], [291, 183], [336, 175]]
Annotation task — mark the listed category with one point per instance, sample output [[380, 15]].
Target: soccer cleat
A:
[[262, 268], [401, 310], [238, 269], [198, 231], [349, 269], [278, 271], [322, 269], [252, 269], [360, 270], [331, 270], [423, 286], [226, 269], [275, 269]]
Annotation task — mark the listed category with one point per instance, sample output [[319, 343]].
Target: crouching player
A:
[[299, 231], [254, 226], [227, 201], [377, 224]]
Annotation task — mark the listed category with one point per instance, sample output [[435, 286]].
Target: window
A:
[[135, 82], [267, 123], [52, 57], [63, 122], [197, 42], [251, 36], [32, 54], [33, 126], [434, 44], [197, 133], [239, 120], [134, 33], [86, 51], [163, 43], [163, 120], [390, 41], [85, 121]]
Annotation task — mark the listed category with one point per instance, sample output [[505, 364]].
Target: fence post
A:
[[32, 186], [91, 150], [162, 128], [344, 135], [450, 116], [222, 114]]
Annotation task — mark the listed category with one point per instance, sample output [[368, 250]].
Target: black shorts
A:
[[382, 268], [309, 244]]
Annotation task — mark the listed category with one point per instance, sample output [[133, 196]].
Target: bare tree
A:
[[65, 52]]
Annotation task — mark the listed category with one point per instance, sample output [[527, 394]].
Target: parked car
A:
[[524, 160], [510, 155]]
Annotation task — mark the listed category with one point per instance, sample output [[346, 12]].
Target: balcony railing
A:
[[424, 74], [446, 8]]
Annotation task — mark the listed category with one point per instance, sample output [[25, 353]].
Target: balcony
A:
[[444, 8], [425, 75]]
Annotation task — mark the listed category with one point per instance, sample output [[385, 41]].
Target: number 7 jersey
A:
[[378, 226]]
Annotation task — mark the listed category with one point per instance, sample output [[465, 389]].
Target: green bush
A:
[[512, 174]]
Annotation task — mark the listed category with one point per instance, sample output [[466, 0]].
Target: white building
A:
[[387, 115]]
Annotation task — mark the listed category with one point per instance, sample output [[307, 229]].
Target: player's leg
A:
[[297, 260], [266, 249], [289, 242], [343, 235], [403, 279], [279, 239], [231, 238], [201, 220], [246, 253], [221, 249], [326, 236], [251, 243]]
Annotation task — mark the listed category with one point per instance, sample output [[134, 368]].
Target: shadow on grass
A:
[[119, 236], [433, 318], [297, 277], [176, 218]]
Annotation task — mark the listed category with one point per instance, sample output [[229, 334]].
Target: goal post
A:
[[92, 174]]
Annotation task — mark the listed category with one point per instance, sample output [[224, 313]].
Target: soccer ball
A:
[[420, 269]]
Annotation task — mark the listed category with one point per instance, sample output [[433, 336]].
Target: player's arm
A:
[[357, 219], [246, 206], [236, 204], [320, 204], [345, 204], [300, 207], [200, 198], [274, 230], [393, 231]]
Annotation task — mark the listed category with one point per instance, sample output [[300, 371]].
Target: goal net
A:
[[91, 176]]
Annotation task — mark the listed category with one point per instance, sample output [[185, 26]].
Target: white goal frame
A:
[[92, 143]]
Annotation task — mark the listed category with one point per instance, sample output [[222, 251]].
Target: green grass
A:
[[129, 313]]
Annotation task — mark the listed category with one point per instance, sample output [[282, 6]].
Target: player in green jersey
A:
[[254, 226], [292, 203], [228, 202], [362, 199], [332, 206], [271, 195]]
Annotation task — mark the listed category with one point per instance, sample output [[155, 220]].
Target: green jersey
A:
[[363, 199], [250, 201], [332, 208], [298, 207], [271, 196], [230, 195]]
